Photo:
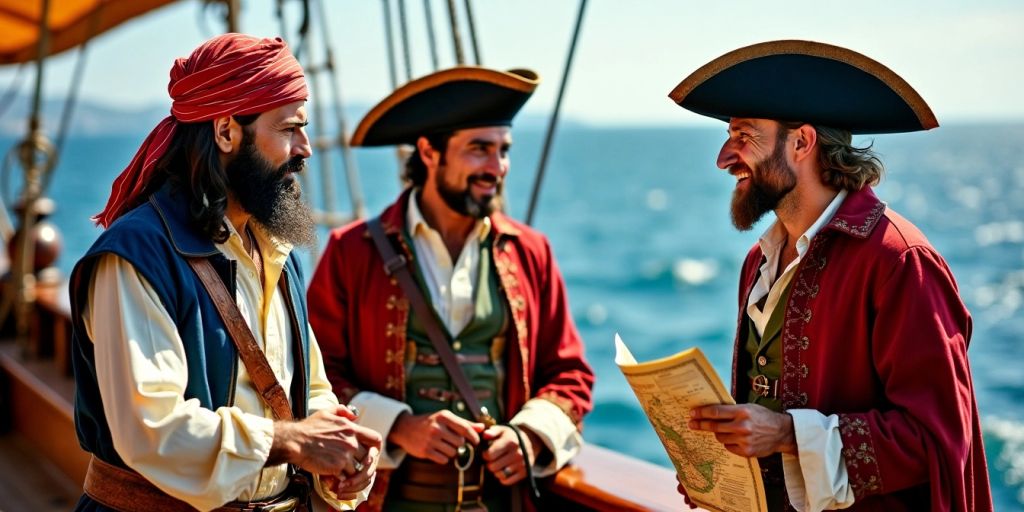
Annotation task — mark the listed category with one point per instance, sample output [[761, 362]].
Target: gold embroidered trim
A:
[[799, 312], [864, 229], [859, 455]]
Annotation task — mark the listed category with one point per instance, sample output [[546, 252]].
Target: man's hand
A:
[[434, 436], [747, 430], [503, 456], [682, 490], [347, 487], [327, 443]]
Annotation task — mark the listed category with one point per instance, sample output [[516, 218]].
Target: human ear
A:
[[227, 134], [427, 153], [805, 138]]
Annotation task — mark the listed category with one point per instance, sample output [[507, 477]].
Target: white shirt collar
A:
[[416, 222], [775, 235]]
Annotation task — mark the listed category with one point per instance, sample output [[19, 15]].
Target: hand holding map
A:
[[668, 388]]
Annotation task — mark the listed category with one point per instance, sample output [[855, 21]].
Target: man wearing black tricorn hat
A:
[[850, 366], [445, 321]]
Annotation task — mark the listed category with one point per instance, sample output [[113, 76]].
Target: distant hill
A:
[[92, 118], [89, 118]]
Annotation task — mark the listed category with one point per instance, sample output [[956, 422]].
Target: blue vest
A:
[[156, 238]]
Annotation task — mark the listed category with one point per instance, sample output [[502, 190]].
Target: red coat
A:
[[875, 332], [359, 316]]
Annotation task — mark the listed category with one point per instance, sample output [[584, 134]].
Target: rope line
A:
[[553, 122]]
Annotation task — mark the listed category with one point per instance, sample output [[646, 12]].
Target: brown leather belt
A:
[[435, 360], [763, 386], [424, 481], [128, 491]]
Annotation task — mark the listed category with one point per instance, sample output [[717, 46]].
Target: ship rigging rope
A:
[[347, 158], [428, 15], [460, 57], [472, 32], [321, 143], [405, 40], [13, 88], [302, 32], [550, 137], [69, 105], [390, 38], [45, 154]]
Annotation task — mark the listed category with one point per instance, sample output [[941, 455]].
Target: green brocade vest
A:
[[765, 353], [429, 388], [765, 363]]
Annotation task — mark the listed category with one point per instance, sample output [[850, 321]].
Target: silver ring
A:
[[358, 466], [506, 471]]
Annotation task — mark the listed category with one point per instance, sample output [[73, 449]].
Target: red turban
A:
[[231, 74]]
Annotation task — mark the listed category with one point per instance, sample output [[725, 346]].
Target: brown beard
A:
[[770, 180], [272, 196], [462, 200]]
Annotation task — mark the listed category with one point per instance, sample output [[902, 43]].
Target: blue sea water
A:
[[638, 219]]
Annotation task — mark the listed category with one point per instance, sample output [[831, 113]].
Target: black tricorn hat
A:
[[805, 81], [448, 100]]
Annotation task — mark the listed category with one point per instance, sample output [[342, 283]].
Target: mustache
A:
[[739, 167], [295, 164], [488, 179]]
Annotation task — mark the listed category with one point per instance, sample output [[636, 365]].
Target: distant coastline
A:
[[93, 118]]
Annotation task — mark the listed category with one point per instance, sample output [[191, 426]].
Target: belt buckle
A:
[[285, 505], [761, 385]]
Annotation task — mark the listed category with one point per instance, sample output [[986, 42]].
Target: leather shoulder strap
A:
[[253, 358], [397, 266]]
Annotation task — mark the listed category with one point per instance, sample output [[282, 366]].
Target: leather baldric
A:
[[255, 361], [124, 489], [397, 266]]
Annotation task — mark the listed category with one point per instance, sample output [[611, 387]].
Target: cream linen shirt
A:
[[816, 479], [202, 457], [451, 287]]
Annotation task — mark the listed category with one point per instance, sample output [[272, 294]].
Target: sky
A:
[[965, 58]]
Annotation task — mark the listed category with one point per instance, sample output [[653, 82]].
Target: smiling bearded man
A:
[[474, 284], [850, 369]]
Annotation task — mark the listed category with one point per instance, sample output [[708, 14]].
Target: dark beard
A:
[[272, 196], [461, 200], [769, 183]]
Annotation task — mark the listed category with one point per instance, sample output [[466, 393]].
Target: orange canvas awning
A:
[[71, 23]]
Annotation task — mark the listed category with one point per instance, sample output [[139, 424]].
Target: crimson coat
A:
[[875, 332], [359, 315]]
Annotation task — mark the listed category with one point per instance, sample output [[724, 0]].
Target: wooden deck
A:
[[42, 466], [30, 482]]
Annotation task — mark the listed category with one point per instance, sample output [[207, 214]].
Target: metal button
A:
[[762, 360], [460, 406], [456, 345]]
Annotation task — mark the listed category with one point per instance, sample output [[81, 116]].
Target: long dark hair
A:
[[192, 166], [415, 170]]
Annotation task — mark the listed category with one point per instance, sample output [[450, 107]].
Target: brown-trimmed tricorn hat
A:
[[805, 81], [448, 100]]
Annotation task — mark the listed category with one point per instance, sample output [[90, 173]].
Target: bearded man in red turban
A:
[[199, 382]]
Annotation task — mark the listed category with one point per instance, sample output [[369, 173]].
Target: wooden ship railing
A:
[[37, 405]]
